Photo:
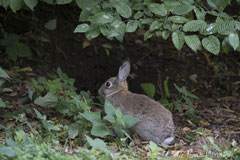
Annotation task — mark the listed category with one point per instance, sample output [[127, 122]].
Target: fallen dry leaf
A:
[[204, 123], [185, 129], [86, 43], [193, 77], [25, 69]]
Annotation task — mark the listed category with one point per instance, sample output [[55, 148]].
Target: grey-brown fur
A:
[[156, 121]]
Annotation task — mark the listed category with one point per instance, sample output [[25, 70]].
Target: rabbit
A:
[[156, 123]]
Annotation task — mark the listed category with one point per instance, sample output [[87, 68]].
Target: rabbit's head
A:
[[116, 84]]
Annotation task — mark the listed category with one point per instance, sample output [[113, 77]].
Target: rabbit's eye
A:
[[108, 84]]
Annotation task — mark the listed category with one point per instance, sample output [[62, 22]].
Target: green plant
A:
[[60, 93], [15, 48], [113, 122], [198, 24]]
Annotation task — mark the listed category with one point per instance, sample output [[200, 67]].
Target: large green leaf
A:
[[49, 100], [3, 74], [178, 39], [109, 108], [200, 14], [63, 1], [84, 4], [130, 121], [16, 5], [18, 49], [82, 28], [97, 144], [178, 19], [226, 27], [233, 40], [194, 26], [157, 9], [182, 9], [101, 18], [156, 25], [93, 117], [31, 3], [100, 129], [149, 89], [193, 42], [132, 25], [211, 44], [123, 9]]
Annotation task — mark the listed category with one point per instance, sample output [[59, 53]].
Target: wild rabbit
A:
[[156, 122]]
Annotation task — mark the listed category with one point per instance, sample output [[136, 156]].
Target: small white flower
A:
[[106, 17], [116, 25], [210, 27]]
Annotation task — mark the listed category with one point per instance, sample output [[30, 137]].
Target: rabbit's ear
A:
[[124, 70]]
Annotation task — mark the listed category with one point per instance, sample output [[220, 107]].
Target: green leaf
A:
[[93, 117], [218, 5], [225, 45], [182, 9], [165, 86], [92, 33], [138, 15], [226, 27], [176, 103], [84, 4], [193, 42], [130, 121], [16, 5], [233, 40], [109, 108], [154, 147], [101, 18], [100, 129], [157, 9], [148, 35], [109, 118], [49, 100], [149, 89], [155, 25], [2, 104], [165, 34], [178, 19], [31, 3], [3, 74], [211, 44], [51, 24], [178, 39], [18, 49], [194, 26], [200, 14], [118, 113], [123, 9], [63, 1], [97, 144], [132, 25], [39, 115], [82, 28], [73, 130]]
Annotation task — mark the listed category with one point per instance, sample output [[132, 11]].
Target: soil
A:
[[214, 79]]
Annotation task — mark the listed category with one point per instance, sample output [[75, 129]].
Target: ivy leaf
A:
[[233, 40], [82, 28], [157, 9], [178, 19], [97, 144], [123, 9], [211, 44], [193, 42], [182, 9], [101, 18], [194, 25], [149, 89], [16, 5], [100, 129], [63, 1], [130, 121], [178, 39], [155, 25], [49, 100], [31, 3], [132, 25], [3, 74]]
